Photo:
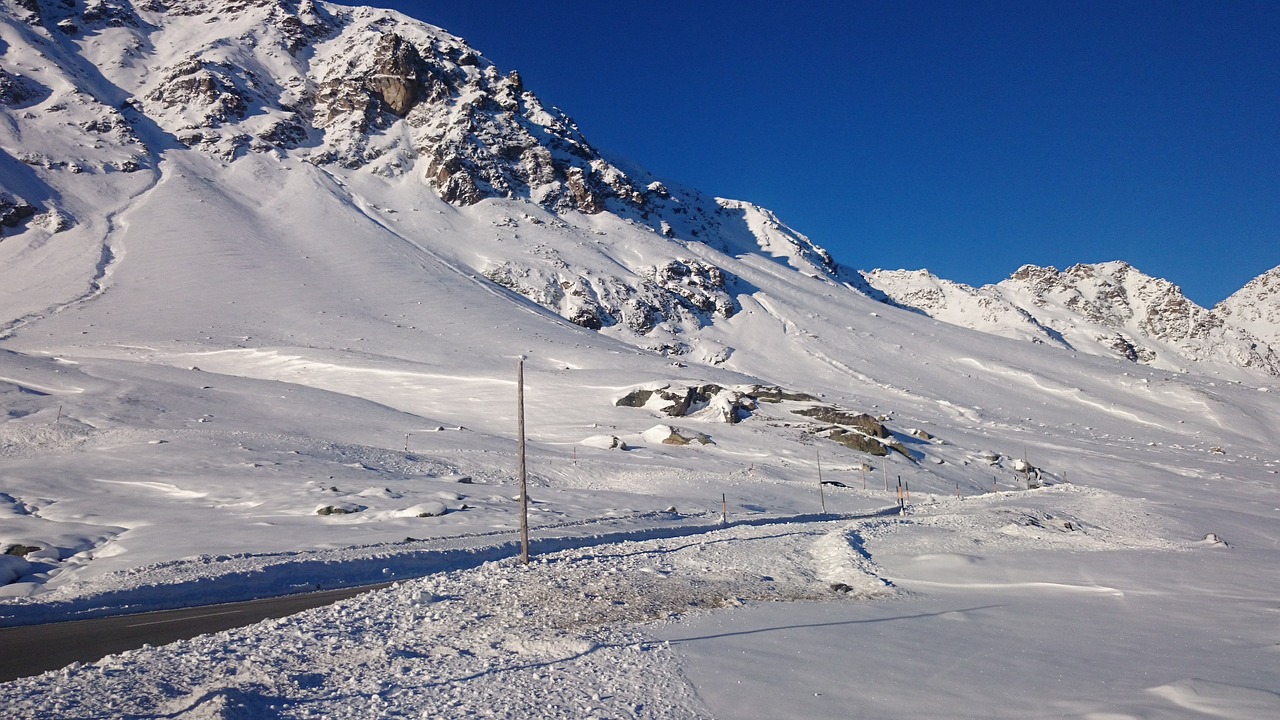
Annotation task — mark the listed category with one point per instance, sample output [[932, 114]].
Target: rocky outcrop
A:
[[667, 435], [861, 422], [706, 402], [18, 91], [683, 293], [14, 210]]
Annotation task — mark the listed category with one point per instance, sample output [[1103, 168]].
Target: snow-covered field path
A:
[[1066, 602]]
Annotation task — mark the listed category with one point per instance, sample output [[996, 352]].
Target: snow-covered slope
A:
[[1256, 307], [1105, 308], [266, 269]]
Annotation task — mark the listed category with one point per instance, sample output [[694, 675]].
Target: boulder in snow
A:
[[605, 442], [667, 435], [338, 508]]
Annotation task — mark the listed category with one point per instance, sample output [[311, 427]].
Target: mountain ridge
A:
[[297, 78], [1102, 308]]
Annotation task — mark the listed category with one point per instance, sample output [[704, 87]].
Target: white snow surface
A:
[[220, 346]]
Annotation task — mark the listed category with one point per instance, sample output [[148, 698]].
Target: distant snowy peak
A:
[[1256, 307], [982, 309], [1105, 308]]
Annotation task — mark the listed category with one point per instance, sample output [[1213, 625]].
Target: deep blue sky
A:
[[966, 137]]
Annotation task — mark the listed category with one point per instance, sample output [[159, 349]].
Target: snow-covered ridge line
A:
[[1106, 309]]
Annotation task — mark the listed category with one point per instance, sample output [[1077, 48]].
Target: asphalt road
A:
[[33, 649]]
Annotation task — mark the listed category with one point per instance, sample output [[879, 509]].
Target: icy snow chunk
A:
[[12, 567], [426, 509], [377, 492]]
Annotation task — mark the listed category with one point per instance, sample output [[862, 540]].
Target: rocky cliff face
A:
[[356, 90], [1106, 308]]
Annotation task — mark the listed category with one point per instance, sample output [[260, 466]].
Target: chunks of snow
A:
[[12, 567], [426, 509]]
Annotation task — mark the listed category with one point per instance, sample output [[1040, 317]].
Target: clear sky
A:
[[966, 137]]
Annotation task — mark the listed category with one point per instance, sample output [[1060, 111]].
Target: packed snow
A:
[[231, 371]]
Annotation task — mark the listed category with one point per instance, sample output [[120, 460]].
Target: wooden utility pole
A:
[[524, 489]]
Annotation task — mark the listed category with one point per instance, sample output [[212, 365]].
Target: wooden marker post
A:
[[524, 489]]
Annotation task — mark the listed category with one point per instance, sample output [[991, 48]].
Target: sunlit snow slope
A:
[[281, 257]]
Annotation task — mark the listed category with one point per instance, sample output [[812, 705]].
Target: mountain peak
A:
[[1104, 308], [1256, 307]]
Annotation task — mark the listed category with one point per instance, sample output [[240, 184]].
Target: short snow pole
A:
[[821, 495], [901, 507], [724, 510]]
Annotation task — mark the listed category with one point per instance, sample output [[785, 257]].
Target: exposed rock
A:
[[16, 90], [700, 284], [397, 66], [338, 508], [14, 210], [835, 416], [774, 394], [21, 550], [855, 440], [710, 402], [667, 435], [605, 442], [210, 87]]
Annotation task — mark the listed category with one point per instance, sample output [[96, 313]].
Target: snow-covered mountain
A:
[[365, 90], [266, 267], [1256, 307], [1104, 308]]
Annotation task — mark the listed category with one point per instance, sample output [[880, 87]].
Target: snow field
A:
[[556, 638]]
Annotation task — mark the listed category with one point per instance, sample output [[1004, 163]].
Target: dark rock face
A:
[[16, 90], [210, 86], [725, 404], [395, 80], [14, 211], [700, 284], [835, 416], [858, 441]]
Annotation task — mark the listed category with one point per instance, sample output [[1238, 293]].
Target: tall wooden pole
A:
[[524, 489]]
